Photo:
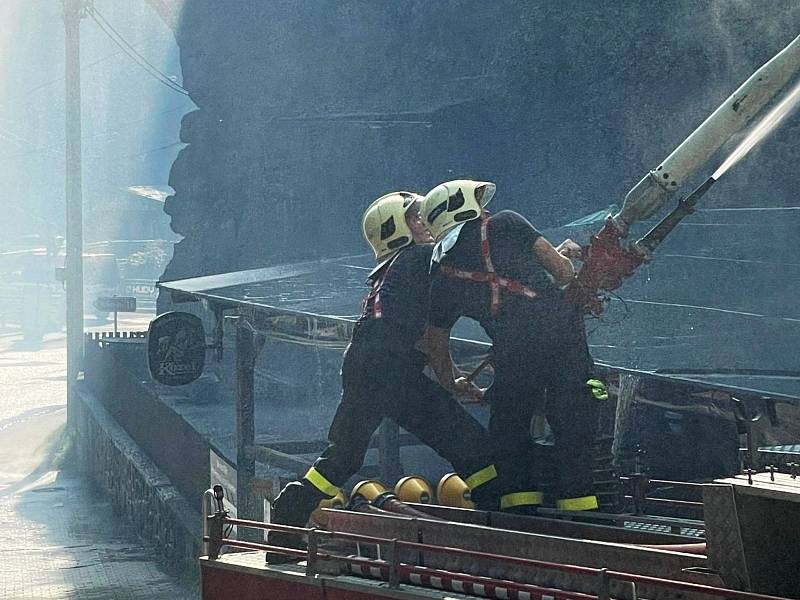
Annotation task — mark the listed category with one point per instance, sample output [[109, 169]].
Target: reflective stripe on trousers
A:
[[521, 499], [485, 475], [583, 503], [319, 481]]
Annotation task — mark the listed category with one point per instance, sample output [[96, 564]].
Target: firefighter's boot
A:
[[522, 502], [579, 503], [486, 495], [293, 507]]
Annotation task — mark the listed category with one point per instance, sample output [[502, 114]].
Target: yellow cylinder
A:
[[414, 489], [452, 491], [369, 489], [319, 517]]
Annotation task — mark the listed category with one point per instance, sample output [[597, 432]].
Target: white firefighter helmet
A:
[[454, 202], [384, 223]]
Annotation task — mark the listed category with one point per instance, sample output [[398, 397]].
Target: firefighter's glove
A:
[[598, 388], [467, 389], [570, 250]]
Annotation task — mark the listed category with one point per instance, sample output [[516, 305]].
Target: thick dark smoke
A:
[[310, 111]]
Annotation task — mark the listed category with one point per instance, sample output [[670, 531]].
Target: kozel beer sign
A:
[[176, 348]]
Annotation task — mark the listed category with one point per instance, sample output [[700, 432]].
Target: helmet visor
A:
[[484, 193], [412, 206]]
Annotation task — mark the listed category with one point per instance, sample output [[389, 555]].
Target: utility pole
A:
[[73, 12]]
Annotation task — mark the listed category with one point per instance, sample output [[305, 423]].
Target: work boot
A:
[[578, 504], [487, 496], [292, 507]]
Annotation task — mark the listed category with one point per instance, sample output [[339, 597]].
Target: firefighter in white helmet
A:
[[500, 271], [382, 372]]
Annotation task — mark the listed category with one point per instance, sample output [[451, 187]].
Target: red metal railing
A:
[[396, 569]]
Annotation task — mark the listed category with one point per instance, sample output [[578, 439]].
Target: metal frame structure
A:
[[258, 320]]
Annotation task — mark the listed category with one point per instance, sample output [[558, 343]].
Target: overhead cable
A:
[[128, 49]]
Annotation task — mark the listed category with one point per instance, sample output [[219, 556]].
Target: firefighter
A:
[[500, 271], [382, 373]]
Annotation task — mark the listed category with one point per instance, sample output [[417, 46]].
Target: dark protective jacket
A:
[[383, 376], [540, 354]]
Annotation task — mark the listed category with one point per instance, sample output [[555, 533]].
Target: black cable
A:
[[602, 321], [151, 150], [128, 49]]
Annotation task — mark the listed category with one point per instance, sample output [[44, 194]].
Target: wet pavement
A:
[[61, 539]]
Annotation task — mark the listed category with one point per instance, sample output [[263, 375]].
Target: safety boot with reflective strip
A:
[[521, 501], [474, 491], [582, 503], [481, 490], [481, 477], [321, 483]]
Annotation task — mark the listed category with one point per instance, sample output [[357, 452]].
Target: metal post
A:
[[313, 548], [246, 351], [393, 558], [216, 528], [74, 202], [389, 452], [206, 510], [626, 400], [640, 483], [603, 585]]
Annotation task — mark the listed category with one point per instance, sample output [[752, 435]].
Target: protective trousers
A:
[[552, 376], [376, 385]]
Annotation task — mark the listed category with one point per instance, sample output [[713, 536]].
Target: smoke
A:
[[767, 124]]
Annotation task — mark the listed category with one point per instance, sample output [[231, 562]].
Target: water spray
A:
[[765, 126], [606, 263], [768, 124], [657, 186]]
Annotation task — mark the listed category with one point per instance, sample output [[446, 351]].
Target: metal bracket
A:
[[313, 557], [393, 558]]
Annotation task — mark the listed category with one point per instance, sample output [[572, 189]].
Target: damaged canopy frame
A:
[[314, 303]]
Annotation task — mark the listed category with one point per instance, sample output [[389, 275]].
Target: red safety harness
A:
[[495, 281], [374, 295]]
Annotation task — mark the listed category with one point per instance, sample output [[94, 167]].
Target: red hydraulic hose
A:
[[399, 507]]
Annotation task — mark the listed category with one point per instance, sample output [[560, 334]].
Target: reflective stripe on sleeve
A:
[[319, 481], [479, 478]]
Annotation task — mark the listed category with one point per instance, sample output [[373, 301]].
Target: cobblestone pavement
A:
[[61, 540]]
